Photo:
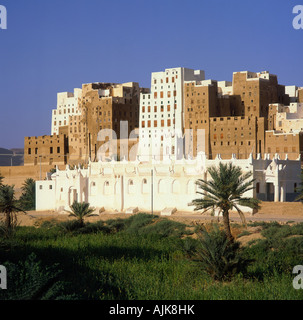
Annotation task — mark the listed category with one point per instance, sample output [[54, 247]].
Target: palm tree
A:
[[225, 192], [28, 198], [80, 210], [9, 206]]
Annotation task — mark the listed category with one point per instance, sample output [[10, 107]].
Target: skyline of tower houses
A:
[[253, 114]]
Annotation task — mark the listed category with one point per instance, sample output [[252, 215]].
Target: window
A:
[[58, 149], [51, 150], [29, 151]]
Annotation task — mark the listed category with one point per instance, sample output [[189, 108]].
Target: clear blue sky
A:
[[53, 46]]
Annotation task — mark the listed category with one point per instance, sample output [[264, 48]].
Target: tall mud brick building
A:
[[237, 116], [252, 114], [78, 119]]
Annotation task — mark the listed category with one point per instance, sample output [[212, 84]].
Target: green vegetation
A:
[[218, 257], [27, 200], [224, 192], [145, 257], [1, 179], [9, 206], [80, 210]]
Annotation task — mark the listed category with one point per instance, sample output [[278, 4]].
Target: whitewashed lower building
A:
[[164, 187]]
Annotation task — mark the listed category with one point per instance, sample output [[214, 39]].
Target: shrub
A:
[[165, 228], [98, 226], [136, 222], [218, 257], [116, 225], [28, 280], [70, 226]]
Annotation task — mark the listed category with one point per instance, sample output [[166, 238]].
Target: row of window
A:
[[51, 150], [155, 81], [161, 94], [228, 143], [162, 116], [64, 111], [285, 150], [148, 123], [161, 108], [51, 141]]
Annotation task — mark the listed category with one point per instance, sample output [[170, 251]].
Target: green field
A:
[[143, 257]]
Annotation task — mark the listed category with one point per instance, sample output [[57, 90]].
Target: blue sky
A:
[[54, 46]]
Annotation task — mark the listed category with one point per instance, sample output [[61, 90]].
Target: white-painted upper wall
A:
[[161, 110], [67, 105]]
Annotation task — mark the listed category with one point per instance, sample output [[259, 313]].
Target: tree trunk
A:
[[227, 226], [8, 222]]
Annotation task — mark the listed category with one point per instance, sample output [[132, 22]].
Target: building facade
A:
[[67, 105], [162, 111], [181, 114], [161, 186]]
